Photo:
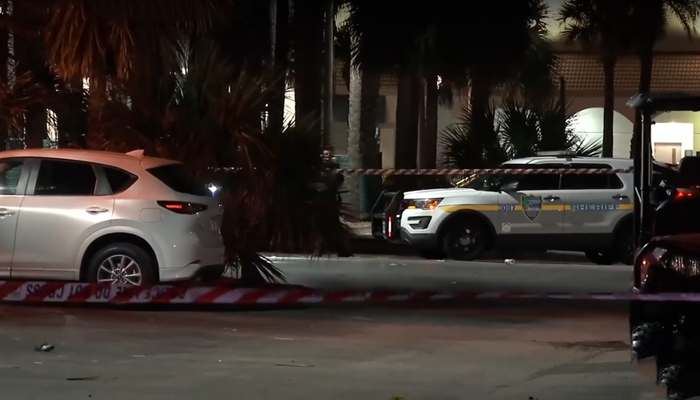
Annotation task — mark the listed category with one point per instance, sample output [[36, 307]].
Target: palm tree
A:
[[280, 48], [307, 56], [386, 47], [212, 115], [80, 45], [604, 27], [521, 127], [651, 20], [26, 20]]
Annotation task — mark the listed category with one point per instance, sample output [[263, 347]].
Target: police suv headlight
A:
[[423, 204]]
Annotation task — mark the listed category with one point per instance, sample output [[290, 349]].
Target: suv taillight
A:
[[180, 207]]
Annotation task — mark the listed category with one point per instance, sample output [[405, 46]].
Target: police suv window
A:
[[590, 181], [532, 181]]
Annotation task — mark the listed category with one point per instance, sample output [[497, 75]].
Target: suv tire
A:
[[465, 240], [113, 254]]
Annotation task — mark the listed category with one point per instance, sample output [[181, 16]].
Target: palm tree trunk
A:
[[328, 71], [35, 127], [479, 97], [608, 104], [369, 146], [4, 58], [406, 145], [279, 27], [27, 50], [352, 184], [308, 59], [72, 116], [429, 132]]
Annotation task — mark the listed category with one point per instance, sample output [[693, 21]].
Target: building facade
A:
[[676, 69]]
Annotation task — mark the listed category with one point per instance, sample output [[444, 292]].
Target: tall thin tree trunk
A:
[[479, 97], [308, 60], [328, 71], [72, 116], [646, 67], [4, 58], [406, 145], [608, 104], [369, 146], [352, 184], [429, 132], [279, 21], [28, 53]]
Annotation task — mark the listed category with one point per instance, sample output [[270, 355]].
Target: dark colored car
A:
[[669, 331]]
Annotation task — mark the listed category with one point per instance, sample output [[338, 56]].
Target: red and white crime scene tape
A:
[[520, 171], [82, 293]]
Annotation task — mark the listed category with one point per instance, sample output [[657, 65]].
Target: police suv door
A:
[[529, 204], [595, 203]]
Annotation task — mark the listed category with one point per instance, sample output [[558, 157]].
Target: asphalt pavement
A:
[[364, 353], [482, 349]]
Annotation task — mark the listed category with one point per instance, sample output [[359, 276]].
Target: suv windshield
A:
[[179, 179]]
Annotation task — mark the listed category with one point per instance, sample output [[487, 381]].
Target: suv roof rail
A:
[[560, 154]]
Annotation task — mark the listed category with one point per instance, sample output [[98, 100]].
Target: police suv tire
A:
[[451, 240], [136, 253], [598, 258]]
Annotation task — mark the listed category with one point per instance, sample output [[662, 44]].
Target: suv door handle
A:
[[620, 197], [4, 212], [94, 210], [552, 198]]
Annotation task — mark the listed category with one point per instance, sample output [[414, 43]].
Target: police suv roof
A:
[[614, 162]]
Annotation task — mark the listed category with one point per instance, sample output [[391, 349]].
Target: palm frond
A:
[[522, 127], [99, 38]]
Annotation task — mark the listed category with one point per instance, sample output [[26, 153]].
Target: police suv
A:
[[590, 213]]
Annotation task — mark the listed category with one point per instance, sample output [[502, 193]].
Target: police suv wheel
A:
[[465, 240]]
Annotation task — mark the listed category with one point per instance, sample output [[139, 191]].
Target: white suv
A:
[[587, 213], [105, 217]]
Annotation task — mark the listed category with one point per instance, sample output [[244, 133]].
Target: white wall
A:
[[588, 124], [673, 132]]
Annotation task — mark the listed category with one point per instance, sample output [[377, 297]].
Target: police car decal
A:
[[532, 206]]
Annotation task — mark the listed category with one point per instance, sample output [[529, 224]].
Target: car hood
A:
[[442, 193], [686, 241]]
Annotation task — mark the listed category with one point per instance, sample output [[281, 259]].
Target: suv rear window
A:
[[179, 179], [118, 180]]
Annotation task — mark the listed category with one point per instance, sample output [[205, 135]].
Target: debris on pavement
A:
[[509, 261], [292, 365], [84, 378], [44, 347]]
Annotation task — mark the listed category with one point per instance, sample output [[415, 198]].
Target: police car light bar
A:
[[563, 153]]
